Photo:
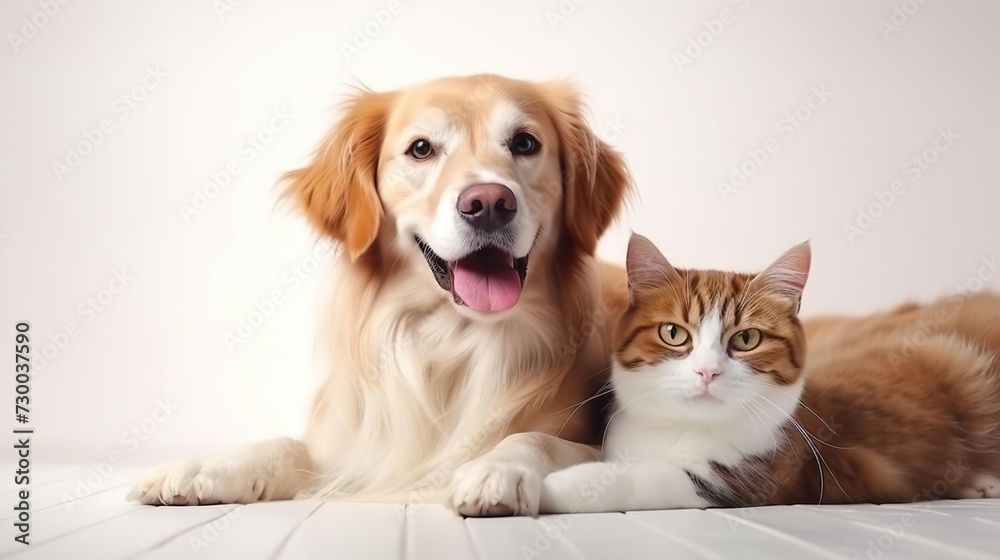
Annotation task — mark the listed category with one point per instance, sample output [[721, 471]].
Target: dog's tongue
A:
[[486, 280]]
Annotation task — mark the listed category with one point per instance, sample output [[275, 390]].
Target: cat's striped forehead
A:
[[696, 293], [726, 292]]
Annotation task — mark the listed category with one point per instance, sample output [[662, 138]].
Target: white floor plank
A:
[[956, 536], [102, 525], [949, 507], [588, 535], [516, 537], [126, 535], [432, 531], [59, 520], [837, 534], [717, 536], [251, 532], [349, 530]]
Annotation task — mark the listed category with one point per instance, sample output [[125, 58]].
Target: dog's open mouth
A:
[[487, 279]]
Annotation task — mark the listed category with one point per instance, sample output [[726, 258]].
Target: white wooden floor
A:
[[101, 525]]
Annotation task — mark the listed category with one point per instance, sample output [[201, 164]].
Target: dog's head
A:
[[471, 177]]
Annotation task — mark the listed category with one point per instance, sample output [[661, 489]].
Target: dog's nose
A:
[[487, 207]]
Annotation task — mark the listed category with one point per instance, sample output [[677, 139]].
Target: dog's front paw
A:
[[492, 489], [192, 483]]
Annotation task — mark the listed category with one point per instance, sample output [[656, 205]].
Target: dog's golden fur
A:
[[427, 400]]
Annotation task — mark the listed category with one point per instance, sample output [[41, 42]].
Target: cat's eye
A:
[[672, 335], [745, 340]]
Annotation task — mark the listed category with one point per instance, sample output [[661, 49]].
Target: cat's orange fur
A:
[[910, 406]]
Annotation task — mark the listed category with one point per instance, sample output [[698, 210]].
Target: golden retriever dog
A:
[[470, 321]]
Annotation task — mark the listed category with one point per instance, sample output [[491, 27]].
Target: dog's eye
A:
[[420, 149], [524, 144]]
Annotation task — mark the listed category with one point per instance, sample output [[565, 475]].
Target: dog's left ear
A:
[[595, 176], [337, 190]]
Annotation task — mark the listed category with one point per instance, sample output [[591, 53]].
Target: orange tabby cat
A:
[[719, 404]]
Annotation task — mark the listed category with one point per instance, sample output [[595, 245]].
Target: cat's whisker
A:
[[623, 406], [605, 389], [760, 436], [812, 447], [745, 295], [819, 456], [784, 436], [602, 372], [576, 407], [645, 270], [798, 400], [759, 288], [802, 404]]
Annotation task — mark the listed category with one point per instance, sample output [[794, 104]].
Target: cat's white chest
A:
[[690, 447]]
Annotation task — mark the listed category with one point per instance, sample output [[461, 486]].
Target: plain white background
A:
[[687, 98]]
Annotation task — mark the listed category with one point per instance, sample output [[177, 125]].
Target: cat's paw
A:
[[983, 486], [572, 490], [486, 488], [189, 483]]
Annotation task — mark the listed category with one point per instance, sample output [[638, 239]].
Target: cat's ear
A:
[[646, 266], [787, 275]]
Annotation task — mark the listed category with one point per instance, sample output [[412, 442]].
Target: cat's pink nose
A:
[[708, 373]]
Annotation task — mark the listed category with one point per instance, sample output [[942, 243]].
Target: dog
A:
[[470, 321]]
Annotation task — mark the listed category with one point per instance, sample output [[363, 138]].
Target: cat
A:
[[718, 403]]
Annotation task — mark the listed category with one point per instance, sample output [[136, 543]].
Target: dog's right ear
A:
[[337, 190]]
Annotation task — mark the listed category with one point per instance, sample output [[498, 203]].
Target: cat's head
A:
[[706, 346]]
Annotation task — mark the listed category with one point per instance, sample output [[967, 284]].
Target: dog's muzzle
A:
[[488, 279]]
